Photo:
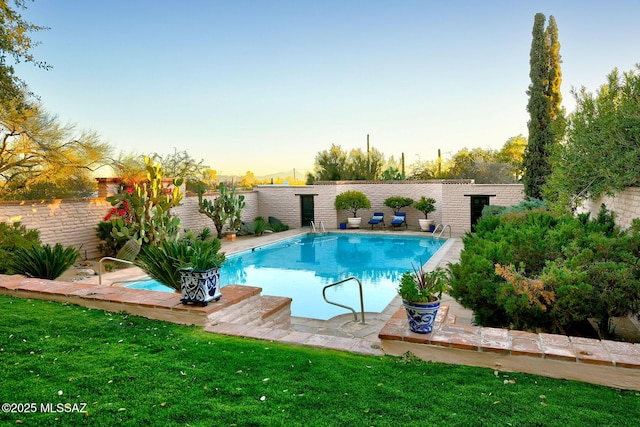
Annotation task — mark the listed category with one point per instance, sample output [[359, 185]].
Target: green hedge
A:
[[533, 270]]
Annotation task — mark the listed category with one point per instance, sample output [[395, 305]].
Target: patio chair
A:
[[377, 219], [399, 219]]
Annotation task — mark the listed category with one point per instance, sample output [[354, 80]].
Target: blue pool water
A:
[[300, 267]]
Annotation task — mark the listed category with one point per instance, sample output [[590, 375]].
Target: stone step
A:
[[252, 309], [275, 312]]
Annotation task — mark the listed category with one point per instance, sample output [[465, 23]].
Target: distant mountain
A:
[[298, 174]]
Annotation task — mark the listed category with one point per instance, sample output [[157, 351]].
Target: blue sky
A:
[[263, 86]]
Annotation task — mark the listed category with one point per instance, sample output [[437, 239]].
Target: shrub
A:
[[43, 262], [15, 236], [529, 269], [260, 226], [277, 225]]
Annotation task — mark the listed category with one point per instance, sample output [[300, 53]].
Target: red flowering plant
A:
[[142, 211], [118, 217]]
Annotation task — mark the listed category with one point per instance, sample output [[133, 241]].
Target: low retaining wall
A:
[[610, 363]]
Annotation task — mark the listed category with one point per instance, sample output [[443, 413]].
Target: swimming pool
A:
[[300, 267]]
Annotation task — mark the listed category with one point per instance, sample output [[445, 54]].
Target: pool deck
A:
[[243, 311]]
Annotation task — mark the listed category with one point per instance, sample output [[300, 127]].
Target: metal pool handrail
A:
[[345, 306], [110, 259]]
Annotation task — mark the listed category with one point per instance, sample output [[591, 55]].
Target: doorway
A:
[[307, 209], [477, 204]]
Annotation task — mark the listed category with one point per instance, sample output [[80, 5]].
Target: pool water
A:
[[300, 267]]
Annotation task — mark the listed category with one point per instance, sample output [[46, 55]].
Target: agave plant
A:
[[43, 261]]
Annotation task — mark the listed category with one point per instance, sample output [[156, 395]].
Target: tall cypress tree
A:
[[544, 104], [557, 112], [555, 75]]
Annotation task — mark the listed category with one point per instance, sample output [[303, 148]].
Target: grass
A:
[[133, 371]]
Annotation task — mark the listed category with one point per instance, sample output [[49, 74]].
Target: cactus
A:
[[149, 204], [226, 209]]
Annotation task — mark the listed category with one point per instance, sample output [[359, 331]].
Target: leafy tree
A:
[[248, 180], [512, 153], [543, 105], [335, 165], [363, 166], [15, 43], [602, 152], [330, 164], [426, 170], [40, 157], [180, 164], [129, 167]]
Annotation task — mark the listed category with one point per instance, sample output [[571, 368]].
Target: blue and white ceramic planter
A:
[[421, 315], [200, 286]]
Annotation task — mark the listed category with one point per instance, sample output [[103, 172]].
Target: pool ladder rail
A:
[[355, 315], [313, 227], [444, 227], [108, 258]]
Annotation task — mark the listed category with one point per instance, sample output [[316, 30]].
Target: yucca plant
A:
[[43, 261]]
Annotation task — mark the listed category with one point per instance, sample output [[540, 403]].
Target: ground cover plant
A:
[[535, 270], [132, 371]]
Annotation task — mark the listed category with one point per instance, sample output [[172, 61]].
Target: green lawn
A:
[[137, 372]]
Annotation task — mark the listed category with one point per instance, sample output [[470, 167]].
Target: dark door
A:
[[306, 204], [477, 203]]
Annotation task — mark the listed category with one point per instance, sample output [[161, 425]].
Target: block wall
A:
[[195, 221], [456, 200], [625, 204], [377, 192], [71, 222]]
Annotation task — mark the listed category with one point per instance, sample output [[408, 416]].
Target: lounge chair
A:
[[399, 219], [376, 219]]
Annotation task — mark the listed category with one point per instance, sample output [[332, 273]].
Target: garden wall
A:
[[72, 222], [626, 205]]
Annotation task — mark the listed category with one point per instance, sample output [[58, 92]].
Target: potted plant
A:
[[421, 292], [352, 201], [426, 205], [189, 266]]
